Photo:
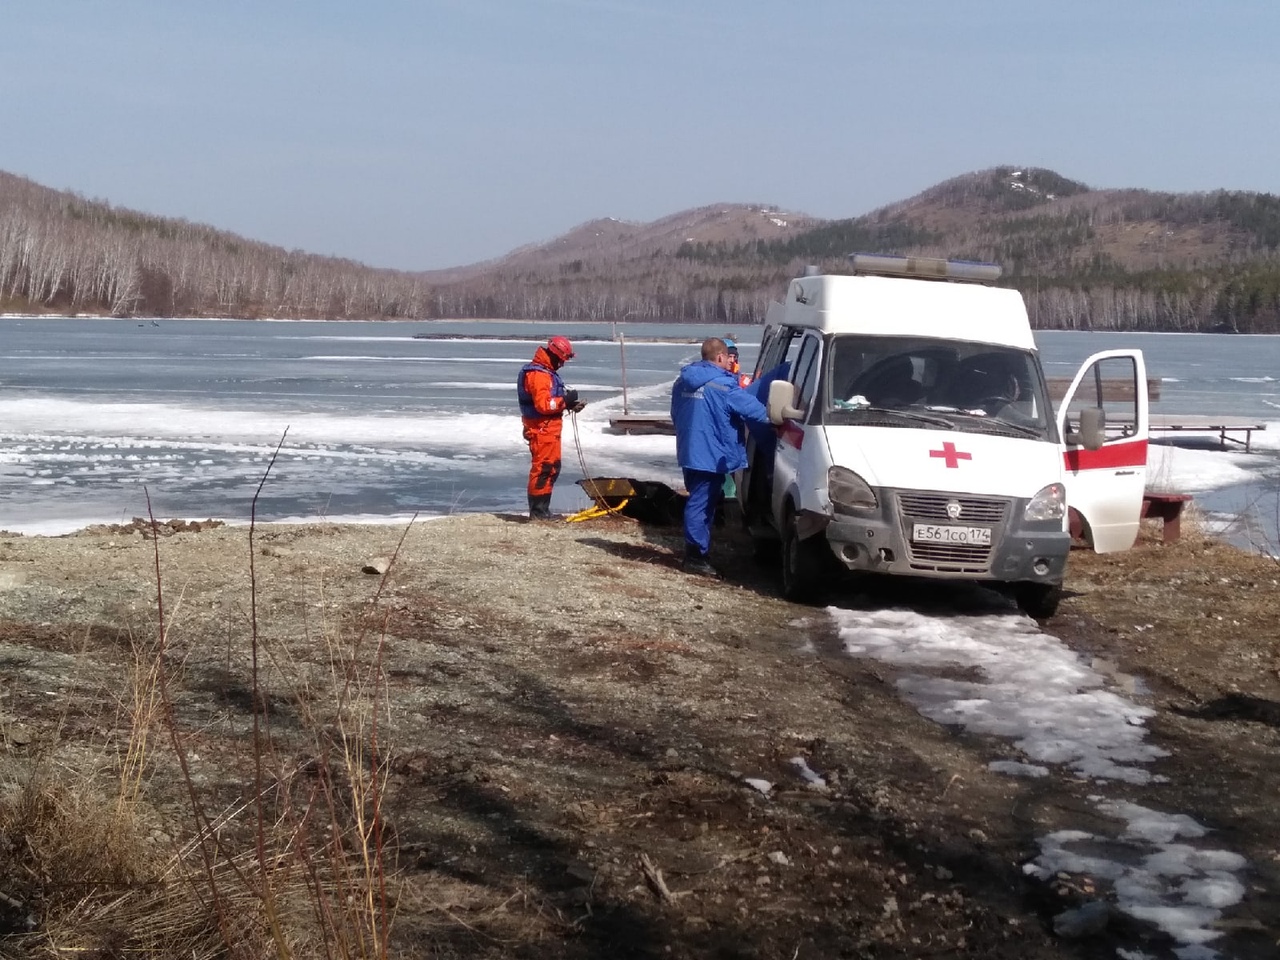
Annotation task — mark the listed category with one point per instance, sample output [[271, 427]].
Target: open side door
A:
[[1103, 422]]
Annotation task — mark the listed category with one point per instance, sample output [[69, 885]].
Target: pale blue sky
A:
[[441, 132]]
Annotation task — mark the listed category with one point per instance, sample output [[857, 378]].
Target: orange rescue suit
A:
[[541, 393]]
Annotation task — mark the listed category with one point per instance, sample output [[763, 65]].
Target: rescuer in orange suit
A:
[[543, 401]]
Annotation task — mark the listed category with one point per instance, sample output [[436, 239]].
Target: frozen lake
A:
[[378, 424]]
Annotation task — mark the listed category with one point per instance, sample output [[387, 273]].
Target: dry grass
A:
[[298, 867], [1201, 610], [297, 870]]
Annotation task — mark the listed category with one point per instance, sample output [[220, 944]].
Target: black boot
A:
[[695, 561], [540, 507]]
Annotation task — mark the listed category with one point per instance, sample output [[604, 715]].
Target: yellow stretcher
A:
[[611, 495], [594, 511], [647, 501]]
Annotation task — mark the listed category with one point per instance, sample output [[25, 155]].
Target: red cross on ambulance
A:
[[951, 455]]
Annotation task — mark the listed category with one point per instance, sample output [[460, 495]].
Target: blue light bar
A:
[[932, 267]]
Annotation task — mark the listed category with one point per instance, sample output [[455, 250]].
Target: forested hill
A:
[[62, 253], [1084, 258]]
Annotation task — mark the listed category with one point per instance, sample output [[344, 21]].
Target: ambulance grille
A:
[[951, 557], [932, 507], [955, 558]]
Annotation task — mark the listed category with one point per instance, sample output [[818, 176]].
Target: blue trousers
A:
[[705, 490]]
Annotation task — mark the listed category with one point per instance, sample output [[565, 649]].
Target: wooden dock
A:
[[642, 423], [1224, 427], [1112, 389]]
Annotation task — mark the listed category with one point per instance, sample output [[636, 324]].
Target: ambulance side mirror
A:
[[1093, 429], [782, 398]]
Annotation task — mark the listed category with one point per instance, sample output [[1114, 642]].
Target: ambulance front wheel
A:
[[1038, 600], [804, 567]]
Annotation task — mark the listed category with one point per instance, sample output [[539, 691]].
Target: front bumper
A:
[[881, 542]]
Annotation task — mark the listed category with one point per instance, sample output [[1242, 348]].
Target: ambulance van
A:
[[915, 436]]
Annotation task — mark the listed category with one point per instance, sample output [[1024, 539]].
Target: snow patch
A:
[[1033, 689], [1157, 876], [806, 773]]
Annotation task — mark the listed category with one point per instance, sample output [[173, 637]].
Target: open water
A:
[[375, 424]]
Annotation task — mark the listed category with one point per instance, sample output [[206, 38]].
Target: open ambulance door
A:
[[1103, 423]]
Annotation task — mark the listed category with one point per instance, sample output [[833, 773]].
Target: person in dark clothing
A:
[[543, 401], [766, 435], [709, 410], [744, 379]]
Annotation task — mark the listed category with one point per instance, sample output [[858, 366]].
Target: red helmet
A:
[[560, 348]]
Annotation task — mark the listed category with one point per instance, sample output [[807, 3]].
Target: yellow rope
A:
[[600, 509]]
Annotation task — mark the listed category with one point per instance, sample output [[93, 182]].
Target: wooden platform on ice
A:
[[642, 423], [1112, 389], [1224, 427]]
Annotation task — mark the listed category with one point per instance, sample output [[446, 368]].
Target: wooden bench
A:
[[1167, 507]]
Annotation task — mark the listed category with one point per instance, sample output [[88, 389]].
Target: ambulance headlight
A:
[[1049, 504], [848, 491]]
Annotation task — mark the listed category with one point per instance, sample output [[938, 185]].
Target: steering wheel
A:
[[1008, 393]]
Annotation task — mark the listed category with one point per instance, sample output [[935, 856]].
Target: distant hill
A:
[[1084, 259], [599, 242], [614, 269]]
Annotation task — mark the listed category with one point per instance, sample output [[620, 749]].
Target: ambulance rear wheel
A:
[[804, 570], [1038, 600]]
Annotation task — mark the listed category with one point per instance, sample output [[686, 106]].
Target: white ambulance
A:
[[915, 435]]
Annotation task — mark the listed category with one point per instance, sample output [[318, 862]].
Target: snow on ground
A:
[[1031, 689], [1237, 493], [1185, 469], [1180, 888]]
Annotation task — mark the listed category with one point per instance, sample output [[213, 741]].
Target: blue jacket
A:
[[766, 437], [709, 409]]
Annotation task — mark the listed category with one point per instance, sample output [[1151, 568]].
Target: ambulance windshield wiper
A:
[[933, 421], [1021, 428], [998, 423]]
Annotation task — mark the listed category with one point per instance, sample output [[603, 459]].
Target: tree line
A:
[[1201, 262], [62, 253]]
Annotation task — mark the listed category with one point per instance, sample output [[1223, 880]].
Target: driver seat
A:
[[894, 385]]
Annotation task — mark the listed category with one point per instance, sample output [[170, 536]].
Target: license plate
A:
[[944, 533]]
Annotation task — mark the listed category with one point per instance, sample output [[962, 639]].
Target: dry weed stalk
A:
[[323, 840], [316, 879]]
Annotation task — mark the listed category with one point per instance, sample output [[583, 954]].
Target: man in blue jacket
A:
[[709, 410]]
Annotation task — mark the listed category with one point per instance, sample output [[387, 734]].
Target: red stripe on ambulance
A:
[[1133, 454], [792, 434]]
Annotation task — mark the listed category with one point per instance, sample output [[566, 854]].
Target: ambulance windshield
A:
[[974, 386]]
